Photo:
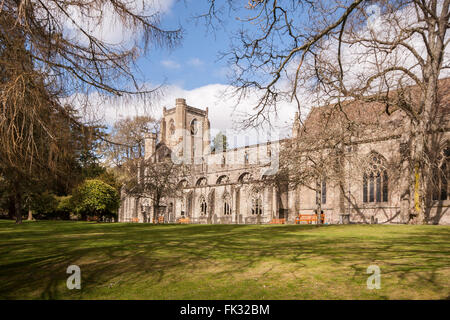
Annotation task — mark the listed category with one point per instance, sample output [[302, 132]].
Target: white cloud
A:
[[163, 6], [103, 22], [171, 64], [224, 113], [360, 61], [195, 62]]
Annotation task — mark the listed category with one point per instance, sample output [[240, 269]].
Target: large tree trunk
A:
[[319, 205], [429, 104], [412, 194], [419, 164], [405, 179], [421, 138], [155, 213], [30, 215]]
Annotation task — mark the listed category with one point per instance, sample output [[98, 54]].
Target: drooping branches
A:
[[54, 51], [385, 52]]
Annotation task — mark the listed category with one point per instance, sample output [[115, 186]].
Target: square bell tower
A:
[[186, 131]]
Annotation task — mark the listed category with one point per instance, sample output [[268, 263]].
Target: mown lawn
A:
[[142, 261]]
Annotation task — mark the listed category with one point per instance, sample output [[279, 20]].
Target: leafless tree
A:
[[54, 62], [125, 141], [155, 180], [387, 52]]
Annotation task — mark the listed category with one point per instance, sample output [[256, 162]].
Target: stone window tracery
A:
[[375, 180], [226, 204], [257, 206], [440, 176]]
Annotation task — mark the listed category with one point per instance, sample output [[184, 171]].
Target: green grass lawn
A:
[[142, 261]]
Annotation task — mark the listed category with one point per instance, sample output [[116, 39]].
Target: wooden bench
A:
[[183, 220], [278, 221], [135, 220], [159, 219], [308, 218]]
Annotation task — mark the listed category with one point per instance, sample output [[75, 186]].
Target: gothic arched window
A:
[[245, 177], [194, 127], [183, 183], [226, 204], [171, 127], [440, 176], [223, 179], [257, 205], [375, 180], [203, 206], [201, 182], [226, 208]]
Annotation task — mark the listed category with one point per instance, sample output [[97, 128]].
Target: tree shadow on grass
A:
[[169, 253]]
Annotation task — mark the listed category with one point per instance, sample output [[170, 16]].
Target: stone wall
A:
[[226, 177]]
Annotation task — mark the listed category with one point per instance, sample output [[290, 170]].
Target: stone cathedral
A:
[[219, 189]]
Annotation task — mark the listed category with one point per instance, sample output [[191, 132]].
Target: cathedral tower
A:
[[186, 131]]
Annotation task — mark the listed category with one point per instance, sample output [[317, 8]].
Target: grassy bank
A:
[[141, 261]]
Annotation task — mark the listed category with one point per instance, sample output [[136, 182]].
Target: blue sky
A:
[[195, 62], [194, 71]]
